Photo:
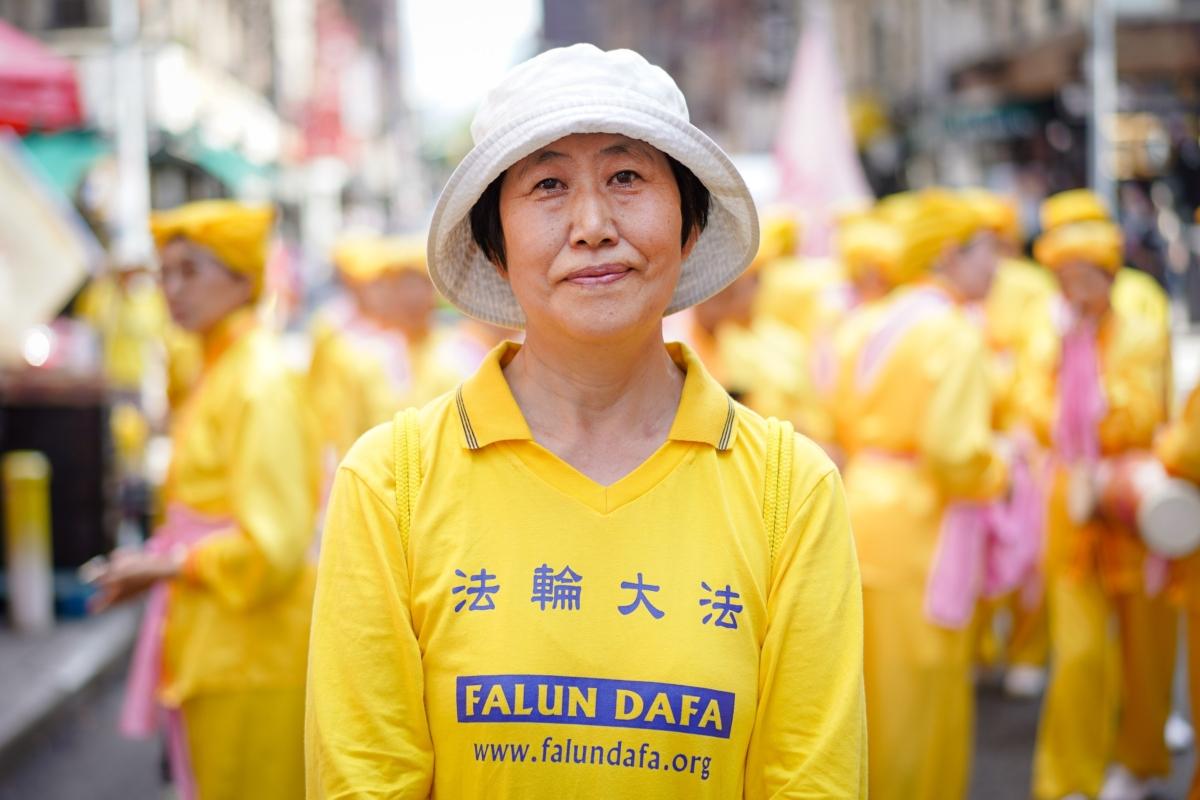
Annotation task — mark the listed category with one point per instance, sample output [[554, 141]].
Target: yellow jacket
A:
[[766, 365], [1022, 301], [360, 375], [544, 636], [243, 451], [1134, 366], [914, 419], [1178, 447]]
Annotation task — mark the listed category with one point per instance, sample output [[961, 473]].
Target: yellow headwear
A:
[[1076, 205], [998, 213], [865, 240], [365, 259], [928, 221], [1097, 242], [778, 237], [236, 233]]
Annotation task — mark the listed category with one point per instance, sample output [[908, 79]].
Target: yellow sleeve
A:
[[272, 489], [1136, 391], [809, 735], [366, 732], [1179, 446], [956, 439]]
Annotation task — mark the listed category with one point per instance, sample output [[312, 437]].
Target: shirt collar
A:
[[489, 413], [225, 333]]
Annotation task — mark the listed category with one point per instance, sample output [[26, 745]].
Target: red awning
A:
[[38, 89]]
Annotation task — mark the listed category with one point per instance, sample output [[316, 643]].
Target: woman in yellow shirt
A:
[[221, 657], [1094, 390], [587, 572], [913, 405]]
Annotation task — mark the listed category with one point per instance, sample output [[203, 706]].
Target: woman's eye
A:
[[548, 184], [625, 177]]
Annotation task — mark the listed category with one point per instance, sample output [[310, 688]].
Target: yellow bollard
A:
[[27, 527]]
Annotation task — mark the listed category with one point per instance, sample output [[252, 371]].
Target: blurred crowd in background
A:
[[1033, 163]]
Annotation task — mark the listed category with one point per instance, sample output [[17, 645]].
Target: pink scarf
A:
[[985, 549], [141, 713], [1081, 403]]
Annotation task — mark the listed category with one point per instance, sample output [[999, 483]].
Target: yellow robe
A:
[[1023, 299], [1094, 572], [918, 436], [1179, 449], [360, 375], [236, 638], [766, 366]]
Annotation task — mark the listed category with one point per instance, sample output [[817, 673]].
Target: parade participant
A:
[[1178, 447], [1022, 299], [221, 655], [760, 361], [869, 249], [912, 405], [588, 572], [378, 349], [1094, 392]]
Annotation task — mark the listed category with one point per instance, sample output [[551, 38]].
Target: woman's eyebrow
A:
[[635, 149], [540, 157]]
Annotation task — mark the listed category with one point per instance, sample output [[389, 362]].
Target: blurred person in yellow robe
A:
[[1178, 447], [220, 661], [912, 405], [1023, 298], [1094, 389], [760, 361], [378, 348], [809, 295]]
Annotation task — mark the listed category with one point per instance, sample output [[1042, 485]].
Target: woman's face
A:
[[972, 267], [402, 299], [1087, 288], [200, 290], [592, 235]]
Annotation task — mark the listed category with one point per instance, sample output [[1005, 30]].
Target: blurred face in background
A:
[[1087, 289], [401, 299], [200, 290], [972, 267], [734, 304]]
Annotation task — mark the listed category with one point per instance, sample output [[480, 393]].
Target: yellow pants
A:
[[247, 744], [1149, 634], [1110, 687], [1193, 652], [1029, 642], [920, 701]]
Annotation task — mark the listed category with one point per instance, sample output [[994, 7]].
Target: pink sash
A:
[[905, 312], [985, 549], [141, 713], [1081, 404]]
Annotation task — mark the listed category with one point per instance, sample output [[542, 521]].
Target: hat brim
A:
[[467, 279]]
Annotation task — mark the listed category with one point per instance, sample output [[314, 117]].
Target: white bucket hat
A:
[[582, 89]]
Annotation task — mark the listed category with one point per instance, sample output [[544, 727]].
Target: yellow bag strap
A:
[[406, 458], [777, 493]]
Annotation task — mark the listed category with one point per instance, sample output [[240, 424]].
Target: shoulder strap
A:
[[777, 493], [406, 459]]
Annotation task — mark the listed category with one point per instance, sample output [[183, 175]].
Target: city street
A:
[[81, 756]]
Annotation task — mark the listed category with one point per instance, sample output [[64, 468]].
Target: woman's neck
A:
[[601, 407]]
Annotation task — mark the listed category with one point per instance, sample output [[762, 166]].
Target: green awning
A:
[[66, 157], [228, 166]]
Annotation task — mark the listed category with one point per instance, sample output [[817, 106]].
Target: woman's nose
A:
[[592, 220]]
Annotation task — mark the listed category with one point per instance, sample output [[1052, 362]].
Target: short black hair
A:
[[694, 204]]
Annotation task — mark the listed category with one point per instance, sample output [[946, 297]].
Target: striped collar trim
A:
[[488, 412]]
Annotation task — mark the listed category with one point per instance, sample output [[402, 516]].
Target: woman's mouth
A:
[[598, 275]]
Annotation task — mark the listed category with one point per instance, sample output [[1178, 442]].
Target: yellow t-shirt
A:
[[546, 636]]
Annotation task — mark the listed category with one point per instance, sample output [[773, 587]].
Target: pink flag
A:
[[818, 164]]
